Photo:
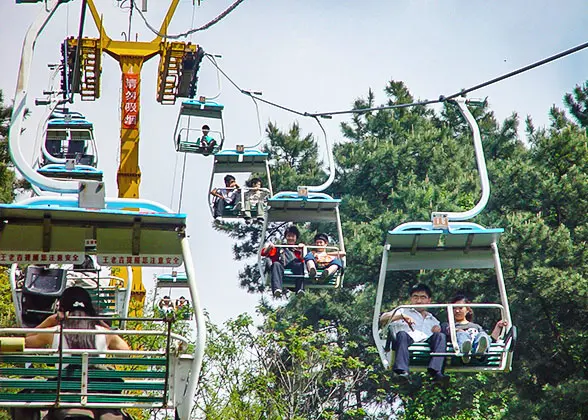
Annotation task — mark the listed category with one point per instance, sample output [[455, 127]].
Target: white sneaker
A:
[[278, 293], [466, 348], [482, 345]]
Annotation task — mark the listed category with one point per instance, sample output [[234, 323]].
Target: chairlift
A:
[[174, 280], [45, 230], [307, 204], [448, 242], [69, 149], [36, 289], [199, 128], [240, 160], [304, 206]]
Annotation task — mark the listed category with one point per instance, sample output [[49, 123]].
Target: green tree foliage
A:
[[283, 370], [400, 165]]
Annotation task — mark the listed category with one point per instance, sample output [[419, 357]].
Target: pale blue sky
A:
[[314, 55]]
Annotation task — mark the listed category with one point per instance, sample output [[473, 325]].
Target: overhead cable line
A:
[[441, 99], [255, 95], [191, 31]]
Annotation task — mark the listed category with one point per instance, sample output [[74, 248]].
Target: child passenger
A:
[[321, 259], [471, 337], [255, 198]]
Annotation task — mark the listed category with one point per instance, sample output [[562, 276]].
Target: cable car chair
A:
[[174, 280], [69, 149], [308, 204], [447, 243], [62, 229], [37, 288], [242, 159], [193, 115]]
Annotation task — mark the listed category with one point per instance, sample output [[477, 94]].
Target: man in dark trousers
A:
[[410, 325], [290, 257]]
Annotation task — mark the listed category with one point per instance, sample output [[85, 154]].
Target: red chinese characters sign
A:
[[130, 100], [41, 257], [159, 260]]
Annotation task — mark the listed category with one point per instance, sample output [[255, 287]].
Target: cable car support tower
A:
[[176, 78]]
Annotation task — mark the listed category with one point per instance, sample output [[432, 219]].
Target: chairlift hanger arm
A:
[[15, 132], [482, 169]]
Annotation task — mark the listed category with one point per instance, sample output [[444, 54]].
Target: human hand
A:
[[501, 324], [408, 320], [436, 329]]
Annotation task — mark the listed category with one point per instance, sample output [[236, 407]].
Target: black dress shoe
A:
[[402, 376], [441, 380]]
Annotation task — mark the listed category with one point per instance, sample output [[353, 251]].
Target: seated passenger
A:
[[166, 305], [183, 309], [255, 198], [319, 258], [181, 302], [206, 142], [415, 325], [75, 301], [471, 338], [281, 258], [230, 195]]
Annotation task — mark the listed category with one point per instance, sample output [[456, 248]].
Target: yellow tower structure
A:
[[131, 55]]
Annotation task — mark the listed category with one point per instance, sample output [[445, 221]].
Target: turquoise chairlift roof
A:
[[180, 280], [60, 231], [234, 161], [196, 108], [416, 246], [316, 207]]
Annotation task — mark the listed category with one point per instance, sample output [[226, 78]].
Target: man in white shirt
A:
[[410, 325]]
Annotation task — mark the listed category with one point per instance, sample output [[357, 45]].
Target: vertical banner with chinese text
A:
[[130, 100]]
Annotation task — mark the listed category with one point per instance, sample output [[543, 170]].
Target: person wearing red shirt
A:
[[286, 257]]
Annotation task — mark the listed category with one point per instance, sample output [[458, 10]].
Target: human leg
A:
[[400, 346], [481, 343], [310, 264], [247, 209], [465, 344], [332, 268], [260, 210], [297, 268], [219, 207], [438, 343], [277, 276]]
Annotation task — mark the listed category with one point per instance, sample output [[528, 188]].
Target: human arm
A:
[[498, 329], [38, 340], [215, 193], [50, 321], [392, 316], [114, 342]]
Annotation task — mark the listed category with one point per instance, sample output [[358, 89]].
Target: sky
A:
[[309, 55]]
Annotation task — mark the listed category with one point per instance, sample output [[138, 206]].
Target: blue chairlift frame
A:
[[200, 110], [465, 245], [289, 206], [80, 165], [448, 242], [241, 160], [54, 225]]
